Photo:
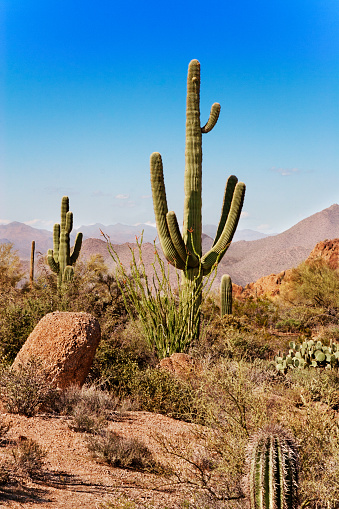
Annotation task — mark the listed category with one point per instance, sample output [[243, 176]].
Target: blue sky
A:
[[90, 89]]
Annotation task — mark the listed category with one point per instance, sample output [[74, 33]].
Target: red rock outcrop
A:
[[65, 343], [328, 251], [270, 286]]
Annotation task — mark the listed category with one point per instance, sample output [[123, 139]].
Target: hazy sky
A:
[[90, 89]]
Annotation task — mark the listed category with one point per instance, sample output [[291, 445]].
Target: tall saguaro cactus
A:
[[184, 251], [59, 258], [272, 478]]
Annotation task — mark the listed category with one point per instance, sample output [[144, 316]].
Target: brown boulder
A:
[[65, 343]]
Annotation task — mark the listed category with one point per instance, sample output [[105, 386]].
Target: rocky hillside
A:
[[245, 261], [327, 250]]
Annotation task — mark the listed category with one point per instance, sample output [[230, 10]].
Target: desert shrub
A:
[[120, 452], [158, 391], [25, 390], [28, 458], [289, 325], [119, 357], [305, 317], [317, 432], [229, 337], [10, 267], [317, 385], [315, 283], [328, 334], [17, 321], [5, 426], [89, 406], [260, 311]]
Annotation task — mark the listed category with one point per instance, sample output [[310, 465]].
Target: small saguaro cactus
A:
[[226, 295], [59, 258], [272, 469], [184, 251], [31, 266]]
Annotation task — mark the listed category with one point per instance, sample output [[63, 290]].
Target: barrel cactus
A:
[[184, 251], [272, 469], [60, 259]]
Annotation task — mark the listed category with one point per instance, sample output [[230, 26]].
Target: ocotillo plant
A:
[[59, 258], [272, 463], [226, 295], [184, 251]]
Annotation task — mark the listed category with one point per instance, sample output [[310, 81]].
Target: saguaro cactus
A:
[[272, 461], [31, 266], [59, 258], [226, 295], [184, 251]]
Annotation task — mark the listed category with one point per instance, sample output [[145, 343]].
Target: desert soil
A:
[[71, 478]]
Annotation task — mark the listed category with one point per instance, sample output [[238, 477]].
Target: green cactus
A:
[[31, 266], [59, 258], [309, 354], [272, 469], [226, 295], [185, 251]]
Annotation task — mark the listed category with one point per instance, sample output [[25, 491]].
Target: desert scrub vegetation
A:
[[234, 391]]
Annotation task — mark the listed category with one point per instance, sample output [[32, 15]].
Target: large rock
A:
[[65, 343]]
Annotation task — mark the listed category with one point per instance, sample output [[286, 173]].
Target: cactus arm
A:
[[173, 227], [213, 118], [69, 222], [160, 212], [54, 266], [76, 248], [228, 195], [175, 235], [56, 242], [217, 252]]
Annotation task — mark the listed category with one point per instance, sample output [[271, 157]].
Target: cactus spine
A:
[[184, 252], [226, 295], [59, 258], [272, 461]]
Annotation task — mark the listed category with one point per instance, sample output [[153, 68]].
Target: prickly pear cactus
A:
[[272, 469], [309, 354], [60, 259]]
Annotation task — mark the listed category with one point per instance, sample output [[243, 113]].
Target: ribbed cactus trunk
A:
[[185, 251], [59, 258], [225, 295], [272, 462]]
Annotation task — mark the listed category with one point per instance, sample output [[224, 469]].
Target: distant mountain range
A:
[[247, 259]]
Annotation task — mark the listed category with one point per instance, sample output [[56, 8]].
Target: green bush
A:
[[315, 283], [158, 391]]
